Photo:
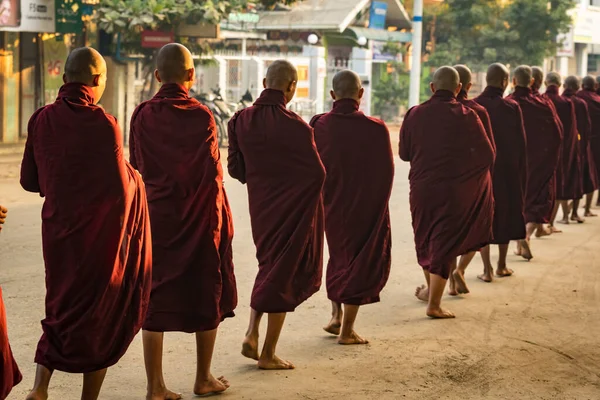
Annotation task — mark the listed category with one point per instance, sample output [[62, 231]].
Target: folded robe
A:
[[9, 371], [95, 233], [451, 197], [569, 183], [544, 138], [592, 100], [174, 145], [357, 154], [509, 175], [273, 150], [584, 127], [481, 112]]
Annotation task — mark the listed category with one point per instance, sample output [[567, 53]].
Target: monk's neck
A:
[[462, 95], [444, 95], [552, 89], [569, 92], [172, 91], [77, 92], [271, 97], [494, 91], [345, 106], [522, 90]]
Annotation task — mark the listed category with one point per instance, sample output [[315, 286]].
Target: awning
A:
[[379, 35]]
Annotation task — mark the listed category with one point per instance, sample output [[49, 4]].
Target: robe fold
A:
[[584, 128], [357, 153], [173, 143], [481, 112], [95, 233], [592, 100], [273, 151], [569, 182], [544, 139], [9, 372], [451, 198], [509, 177]]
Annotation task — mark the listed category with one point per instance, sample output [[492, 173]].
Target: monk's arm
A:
[[29, 171], [488, 130], [485, 153], [235, 159], [404, 145], [521, 148], [132, 139]]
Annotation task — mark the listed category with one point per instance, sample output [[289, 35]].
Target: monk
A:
[[537, 73], [10, 376], [584, 127], [592, 99], [174, 145], [544, 138], [95, 230], [457, 283], [273, 151], [354, 149], [450, 184], [569, 183], [510, 169]]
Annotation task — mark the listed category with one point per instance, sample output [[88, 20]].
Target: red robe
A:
[[584, 127], [9, 371], [544, 137], [593, 102], [95, 233], [510, 169], [569, 182], [357, 153], [273, 151], [451, 197], [481, 113], [173, 143]]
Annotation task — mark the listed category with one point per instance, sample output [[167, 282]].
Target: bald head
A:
[[174, 64], [83, 64], [283, 76], [497, 76], [347, 85], [588, 83], [553, 79], [538, 77], [572, 83], [522, 76], [464, 74], [446, 78]]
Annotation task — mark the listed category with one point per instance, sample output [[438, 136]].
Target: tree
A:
[[392, 89]]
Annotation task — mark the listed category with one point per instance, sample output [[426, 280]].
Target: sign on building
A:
[[27, 15], [377, 15], [68, 16], [156, 40]]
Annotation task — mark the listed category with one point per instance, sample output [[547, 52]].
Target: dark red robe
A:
[[509, 175], [544, 137], [593, 102], [9, 371], [569, 183], [273, 151], [357, 153], [95, 233], [173, 143], [481, 113], [584, 127], [451, 198]]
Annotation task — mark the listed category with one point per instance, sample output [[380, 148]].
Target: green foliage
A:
[[392, 89]]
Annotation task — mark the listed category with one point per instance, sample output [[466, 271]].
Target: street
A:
[[531, 336]]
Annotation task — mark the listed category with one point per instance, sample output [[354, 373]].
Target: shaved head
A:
[[464, 73], [572, 82], [538, 77], [523, 75], [497, 76], [283, 76], [446, 78], [553, 79], [86, 66], [174, 64], [588, 82], [347, 85]]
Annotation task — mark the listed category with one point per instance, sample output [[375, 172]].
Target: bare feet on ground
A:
[[578, 219], [34, 395], [543, 231], [211, 386], [422, 293], [452, 286], [352, 339], [503, 272], [590, 214], [486, 277], [459, 282], [274, 363], [525, 250], [163, 394], [250, 348], [564, 221], [439, 313], [333, 327], [554, 229]]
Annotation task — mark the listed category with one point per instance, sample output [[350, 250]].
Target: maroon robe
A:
[[569, 183], [273, 150], [357, 153], [9, 371], [451, 198], [95, 233], [593, 102], [584, 127], [509, 175], [544, 137], [481, 113], [173, 143]]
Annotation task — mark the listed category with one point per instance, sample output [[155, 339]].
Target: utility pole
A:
[[415, 70]]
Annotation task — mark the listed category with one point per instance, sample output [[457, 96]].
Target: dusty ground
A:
[[533, 336]]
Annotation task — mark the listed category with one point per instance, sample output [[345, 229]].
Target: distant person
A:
[[584, 127], [174, 146], [273, 151], [537, 73], [544, 138], [510, 169], [450, 184], [592, 99], [358, 158], [95, 230]]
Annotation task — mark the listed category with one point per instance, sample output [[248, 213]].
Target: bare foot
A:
[[333, 327], [563, 221], [274, 363], [352, 339], [503, 272], [460, 283], [590, 214], [486, 277], [211, 386], [525, 250], [163, 394], [439, 313], [422, 293], [554, 229], [542, 231], [36, 395], [452, 286], [577, 218], [250, 348]]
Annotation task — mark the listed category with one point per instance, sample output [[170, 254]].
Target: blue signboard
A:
[[377, 15]]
